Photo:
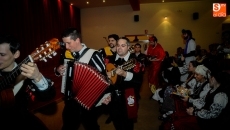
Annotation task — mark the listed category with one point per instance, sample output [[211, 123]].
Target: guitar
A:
[[125, 66], [46, 50]]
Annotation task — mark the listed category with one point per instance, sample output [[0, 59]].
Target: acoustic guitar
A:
[[125, 66], [7, 83]]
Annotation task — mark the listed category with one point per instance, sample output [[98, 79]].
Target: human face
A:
[[185, 36], [122, 47], [199, 78], [112, 42], [7, 58], [212, 81], [137, 48], [72, 45], [191, 68]]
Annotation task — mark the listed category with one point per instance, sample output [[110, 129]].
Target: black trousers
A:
[[74, 114], [118, 114]]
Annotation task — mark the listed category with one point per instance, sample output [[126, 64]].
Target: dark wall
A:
[[33, 22]]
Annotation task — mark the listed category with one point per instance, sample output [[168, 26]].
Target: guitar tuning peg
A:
[[44, 59], [47, 44], [49, 56], [54, 53]]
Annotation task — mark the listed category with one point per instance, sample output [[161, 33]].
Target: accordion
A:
[[88, 84]]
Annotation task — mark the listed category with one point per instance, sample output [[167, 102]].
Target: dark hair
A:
[[114, 36], [154, 38], [188, 32], [72, 32], [220, 76], [12, 41], [194, 63], [127, 40], [138, 44]]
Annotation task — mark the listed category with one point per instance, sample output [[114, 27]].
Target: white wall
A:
[[97, 23]]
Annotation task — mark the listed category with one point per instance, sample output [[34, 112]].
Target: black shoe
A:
[[109, 120]]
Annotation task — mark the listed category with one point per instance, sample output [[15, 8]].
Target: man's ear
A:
[[16, 54]]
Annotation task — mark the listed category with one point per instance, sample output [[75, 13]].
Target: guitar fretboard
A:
[[9, 78]]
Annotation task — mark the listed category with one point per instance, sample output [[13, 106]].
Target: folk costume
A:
[[17, 115], [190, 47], [124, 105], [74, 113], [107, 54], [158, 52], [140, 57]]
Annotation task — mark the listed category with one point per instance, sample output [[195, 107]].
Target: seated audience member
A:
[[178, 56], [171, 76], [191, 81], [214, 113], [201, 88]]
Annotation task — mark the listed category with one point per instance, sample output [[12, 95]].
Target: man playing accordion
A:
[[74, 112]]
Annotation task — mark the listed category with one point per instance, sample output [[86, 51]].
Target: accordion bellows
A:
[[88, 84]]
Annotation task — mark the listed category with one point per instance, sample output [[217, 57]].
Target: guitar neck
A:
[[8, 80]]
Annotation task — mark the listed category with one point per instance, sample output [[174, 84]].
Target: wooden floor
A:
[[147, 114]]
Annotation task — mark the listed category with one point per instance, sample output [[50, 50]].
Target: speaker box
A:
[[195, 16], [136, 18]]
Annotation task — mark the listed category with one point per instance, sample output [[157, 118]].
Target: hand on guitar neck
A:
[[26, 69], [113, 71]]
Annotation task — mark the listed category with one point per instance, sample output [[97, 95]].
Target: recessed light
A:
[[103, 1], [87, 2]]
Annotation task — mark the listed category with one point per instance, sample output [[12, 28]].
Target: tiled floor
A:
[[147, 114]]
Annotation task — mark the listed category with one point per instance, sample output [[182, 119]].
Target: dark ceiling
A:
[[135, 4]]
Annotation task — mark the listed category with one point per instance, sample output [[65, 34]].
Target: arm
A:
[[44, 89], [219, 103], [192, 47]]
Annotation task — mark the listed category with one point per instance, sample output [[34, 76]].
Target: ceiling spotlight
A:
[[163, 1], [165, 17], [103, 1], [87, 2]]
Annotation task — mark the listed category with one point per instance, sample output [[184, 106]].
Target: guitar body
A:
[[125, 66], [7, 98], [7, 94], [110, 67]]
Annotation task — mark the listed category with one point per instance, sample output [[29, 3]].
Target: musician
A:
[[109, 51], [157, 55], [124, 101], [29, 85], [74, 113], [141, 57]]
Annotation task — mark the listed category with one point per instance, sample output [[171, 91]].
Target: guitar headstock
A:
[[131, 49], [129, 64], [46, 50]]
